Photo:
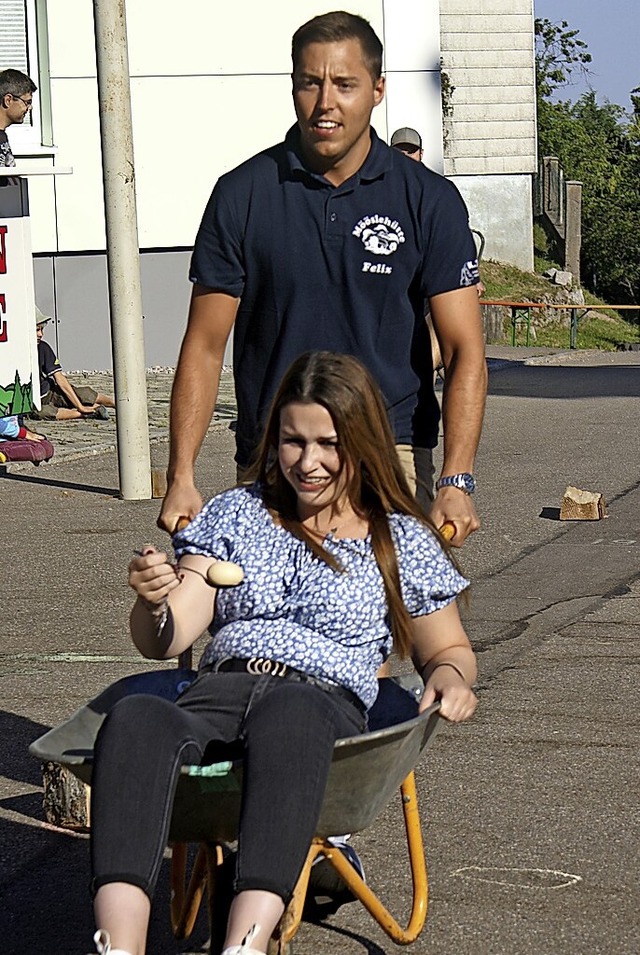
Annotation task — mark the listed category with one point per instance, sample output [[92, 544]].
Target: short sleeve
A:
[[428, 578], [49, 364], [223, 521], [451, 258], [217, 261]]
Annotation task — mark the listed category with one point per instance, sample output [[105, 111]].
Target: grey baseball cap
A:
[[405, 136], [41, 318]]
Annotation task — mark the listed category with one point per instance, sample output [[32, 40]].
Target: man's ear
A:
[[378, 91], [3, 102]]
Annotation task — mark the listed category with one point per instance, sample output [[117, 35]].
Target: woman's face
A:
[[310, 458]]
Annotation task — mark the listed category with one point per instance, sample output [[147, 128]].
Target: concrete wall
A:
[[203, 100], [500, 207], [73, 288], [490, 134]]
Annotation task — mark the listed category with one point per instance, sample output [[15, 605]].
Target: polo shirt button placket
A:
[[333, 225]]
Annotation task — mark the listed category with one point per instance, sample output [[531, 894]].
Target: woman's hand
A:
[[152, 576], [457, 699]]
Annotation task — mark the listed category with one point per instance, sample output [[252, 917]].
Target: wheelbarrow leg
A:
[[292, 916], [185, 902], [418, 874]]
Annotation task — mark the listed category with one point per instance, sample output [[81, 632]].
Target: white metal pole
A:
[[123, 259]]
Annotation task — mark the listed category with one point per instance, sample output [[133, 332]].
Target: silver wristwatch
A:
[[465, 482]]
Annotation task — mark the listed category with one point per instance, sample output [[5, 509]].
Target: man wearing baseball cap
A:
[[408, 141]]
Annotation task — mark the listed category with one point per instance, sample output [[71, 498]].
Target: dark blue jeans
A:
[[286, 732]]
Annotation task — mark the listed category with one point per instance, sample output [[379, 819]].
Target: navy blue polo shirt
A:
[[345, 269]]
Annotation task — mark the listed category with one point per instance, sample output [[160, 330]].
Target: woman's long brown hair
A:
[[377, 485]]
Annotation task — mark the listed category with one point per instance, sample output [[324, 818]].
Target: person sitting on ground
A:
[[60, 399], [340, 566], [18, 443]]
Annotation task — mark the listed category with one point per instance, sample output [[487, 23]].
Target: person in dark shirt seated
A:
[[62, 401]]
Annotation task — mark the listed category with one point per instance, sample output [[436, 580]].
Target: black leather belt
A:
[[260, 666]]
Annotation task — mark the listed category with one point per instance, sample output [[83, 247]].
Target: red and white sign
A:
[[19, 378]]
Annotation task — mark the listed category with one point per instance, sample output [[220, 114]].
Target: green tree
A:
[[600, 146], [559, 53]]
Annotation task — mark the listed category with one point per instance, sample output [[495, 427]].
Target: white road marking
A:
[[519, 878]]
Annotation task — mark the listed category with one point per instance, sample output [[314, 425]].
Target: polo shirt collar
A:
[[378, 161]]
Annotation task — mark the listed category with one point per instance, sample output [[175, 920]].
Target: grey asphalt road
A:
[[529, 812]]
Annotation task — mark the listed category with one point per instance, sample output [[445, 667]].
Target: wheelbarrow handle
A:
[[448, 530]]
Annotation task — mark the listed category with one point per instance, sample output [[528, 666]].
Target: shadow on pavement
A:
[[550, 513], [17, 732], [66, 485], [541, 381], [44, 914], [368, 947]]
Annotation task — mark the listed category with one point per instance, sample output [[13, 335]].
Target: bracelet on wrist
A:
[[156, 610], [159, 613], [446, 663]]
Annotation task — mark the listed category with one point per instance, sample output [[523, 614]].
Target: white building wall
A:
[[490, 134], [211, 87], [208, 90]]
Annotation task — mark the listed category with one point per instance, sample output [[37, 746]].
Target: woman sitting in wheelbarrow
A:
[[340, 567]]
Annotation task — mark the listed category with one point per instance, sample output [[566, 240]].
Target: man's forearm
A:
[[193, 400], [463, 403]]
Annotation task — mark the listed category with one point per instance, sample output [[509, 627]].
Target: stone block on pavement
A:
[[578, 505]]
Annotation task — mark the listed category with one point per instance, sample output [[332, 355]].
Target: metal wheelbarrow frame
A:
[[365, 772]]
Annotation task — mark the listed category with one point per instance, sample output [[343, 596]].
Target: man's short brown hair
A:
[[335, 27]]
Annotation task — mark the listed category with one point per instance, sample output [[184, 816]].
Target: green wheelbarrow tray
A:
[[365, 772]]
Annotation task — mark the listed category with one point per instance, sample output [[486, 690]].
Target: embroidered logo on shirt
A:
[[469, 273], [380, 235]]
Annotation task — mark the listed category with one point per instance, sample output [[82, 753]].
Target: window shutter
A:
[[13, 35]]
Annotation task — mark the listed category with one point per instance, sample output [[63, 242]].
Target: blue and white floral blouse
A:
[[294, 608]]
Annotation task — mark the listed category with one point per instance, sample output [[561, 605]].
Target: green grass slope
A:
[[602, 330]]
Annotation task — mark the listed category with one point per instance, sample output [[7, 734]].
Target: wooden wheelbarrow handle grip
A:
[[448, 530]]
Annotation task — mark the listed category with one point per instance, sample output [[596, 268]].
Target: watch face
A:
[[466, 482]]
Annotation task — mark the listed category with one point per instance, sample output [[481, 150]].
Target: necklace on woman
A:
[[332, 530]]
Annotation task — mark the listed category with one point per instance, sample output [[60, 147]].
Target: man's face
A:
[[334, 95], [413, 152], [17, 107]]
